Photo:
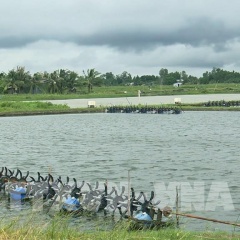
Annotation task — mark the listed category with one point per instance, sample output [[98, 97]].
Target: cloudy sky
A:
[[137, 36]]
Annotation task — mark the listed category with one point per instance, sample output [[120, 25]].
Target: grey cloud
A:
[[197, 33], [140, 41], [194, 31], [204, 31], [131, 33], [200, 63], [136, 27], [15, 42]]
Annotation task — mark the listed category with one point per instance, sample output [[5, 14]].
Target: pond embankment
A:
[[72, 106], [153, 100]]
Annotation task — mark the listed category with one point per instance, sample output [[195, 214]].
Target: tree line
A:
[[63, 81]]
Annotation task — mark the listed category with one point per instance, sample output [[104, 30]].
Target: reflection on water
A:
[[193, 147]]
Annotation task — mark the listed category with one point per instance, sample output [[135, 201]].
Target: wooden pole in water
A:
[[50, 169], [207, 219], [129, 190], [177, 206]]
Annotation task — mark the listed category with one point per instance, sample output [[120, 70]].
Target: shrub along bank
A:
[[59, 228]]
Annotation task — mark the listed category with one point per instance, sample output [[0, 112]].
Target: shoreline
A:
[[102, 110], [76, 106], [46, 112]]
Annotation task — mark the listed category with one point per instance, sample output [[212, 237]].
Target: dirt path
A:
[[79, 103]]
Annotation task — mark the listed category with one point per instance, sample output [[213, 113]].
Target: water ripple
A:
[[191, 147]]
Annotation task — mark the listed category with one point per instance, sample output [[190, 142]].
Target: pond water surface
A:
[[198, 151]]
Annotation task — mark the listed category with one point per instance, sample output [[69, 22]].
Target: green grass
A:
[[59, 228], [25, 104], [29, 106], [129, 91], [198, 107], [12, 108]]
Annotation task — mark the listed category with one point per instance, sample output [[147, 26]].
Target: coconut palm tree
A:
[[36, 82], [49, 83], [23, 77], [58, 80], [17, 80], [71, 83], [91, 76]]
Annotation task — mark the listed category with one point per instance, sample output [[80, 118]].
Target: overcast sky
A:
[[137, 36]]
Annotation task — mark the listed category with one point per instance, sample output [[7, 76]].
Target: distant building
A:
[[177, 84]]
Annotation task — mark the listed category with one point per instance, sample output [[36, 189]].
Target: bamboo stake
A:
[[177, 206], [129, 190], [207, 219], [50, 169]]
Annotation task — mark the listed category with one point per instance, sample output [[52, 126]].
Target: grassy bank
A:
[[27, 104], [12, 108], [198, 107], [129, 91], [59, 228], [30, 106], [39, 108]]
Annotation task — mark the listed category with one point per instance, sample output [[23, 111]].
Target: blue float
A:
[[143, 216], [19, 193], [71, 204]]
